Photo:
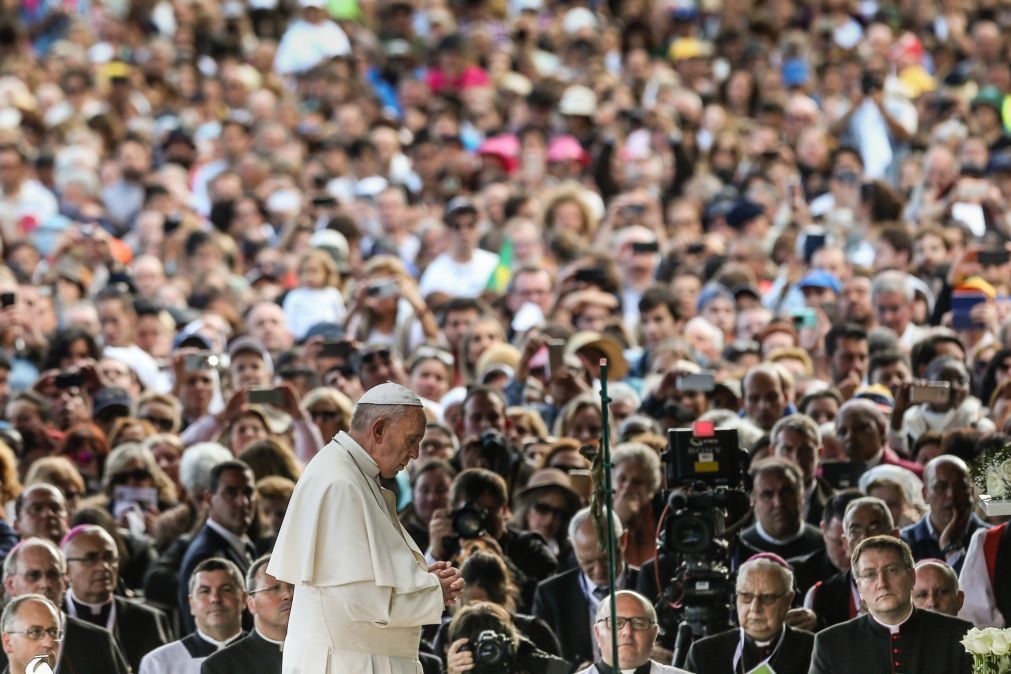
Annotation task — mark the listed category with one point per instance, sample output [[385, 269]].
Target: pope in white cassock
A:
[[362, 587]]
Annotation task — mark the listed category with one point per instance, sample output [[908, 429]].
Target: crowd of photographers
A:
[[221, 223]]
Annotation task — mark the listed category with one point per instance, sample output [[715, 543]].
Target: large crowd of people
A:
[[223, 222]]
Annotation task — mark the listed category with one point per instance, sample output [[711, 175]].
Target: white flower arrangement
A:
[[992, 474], [990, 649]]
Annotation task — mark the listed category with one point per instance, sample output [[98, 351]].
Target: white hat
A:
[[578, 101], [330, 238], [390, 394], [319, 4], [578, 18]]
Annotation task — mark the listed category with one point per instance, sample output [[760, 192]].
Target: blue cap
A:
[[819, 278], [743, 212], [795, 72], [710, 292]]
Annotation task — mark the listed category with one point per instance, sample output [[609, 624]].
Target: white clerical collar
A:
[[219, 644], [361, 457], [778, 541], [876, 459], [269, 640], [894, 629], [237, 542], [96, 609]]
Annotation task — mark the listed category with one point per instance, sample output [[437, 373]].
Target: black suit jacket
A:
[[715, 654], [927, 643], [87, 649], [138, 629], [559, 601], [206, 543], [252, 653], [821, 495]]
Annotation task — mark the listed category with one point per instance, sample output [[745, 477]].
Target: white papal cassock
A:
[[362, 586]]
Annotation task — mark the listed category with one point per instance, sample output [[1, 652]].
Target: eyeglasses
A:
[[857, 531], [161, 423], [94, 558], [871, 575], [542, 508], [638, 624], [37, 633], [35, 575], [271, 589], [35, 509], [324, 415], [767, 599], [444, 357], [137, 475]]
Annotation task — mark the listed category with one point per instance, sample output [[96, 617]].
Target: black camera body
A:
[[470, 521], [493, 653]]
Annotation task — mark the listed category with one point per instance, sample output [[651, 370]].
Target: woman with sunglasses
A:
[[329, 409], [132, 465], [546, 505], [86, 446]]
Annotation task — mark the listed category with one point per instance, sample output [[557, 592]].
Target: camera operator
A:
[[484, 436], [480, 505], [764, 595], [484, 641]]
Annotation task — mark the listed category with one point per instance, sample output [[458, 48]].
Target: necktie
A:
[[600, 592]]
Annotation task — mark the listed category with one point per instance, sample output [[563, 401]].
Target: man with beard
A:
[[269, 600], [855, 302]]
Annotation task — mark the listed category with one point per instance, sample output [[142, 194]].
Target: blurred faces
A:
[[117, 323], [248, 369], [456, 325], [245, 430], [948, 492], [893, 311], [586, 426], [859, 433], [547, 513], [835, 544], [763, 600], [764, 400], [800, 449], [591, 561], [37, 572], [721, 313], [430, 379], [43, 513], [482, 412], [267, 324], [657, 325], [431, 493], [850, 359]]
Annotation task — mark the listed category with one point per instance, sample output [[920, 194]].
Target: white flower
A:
[[999, 644], [977, 642], [994, 485]]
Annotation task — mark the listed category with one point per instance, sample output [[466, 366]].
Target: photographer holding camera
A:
[[484, 641], [481, 506]]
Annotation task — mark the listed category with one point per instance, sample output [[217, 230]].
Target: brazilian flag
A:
[[503, 272]]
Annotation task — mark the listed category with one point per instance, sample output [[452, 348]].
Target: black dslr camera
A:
[[493, 653], [470, 521]]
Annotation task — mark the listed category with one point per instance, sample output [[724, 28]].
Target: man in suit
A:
[[231, 506], [764, 596], [41, 510], [269, 600], [93, 574], [894, 636], [946, 530], [568, 601], [217, 593], [36, 566], [779, 526], [637, 632], [797, 438], [31, 628]]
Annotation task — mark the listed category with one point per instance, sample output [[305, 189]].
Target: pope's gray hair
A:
[[366, 414]]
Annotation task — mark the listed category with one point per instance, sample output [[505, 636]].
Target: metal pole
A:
[[605, 447]]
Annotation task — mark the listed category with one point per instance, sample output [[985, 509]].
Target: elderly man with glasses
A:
[[37, 567], [894, 636], [764, 596], [93, 574], [637, 632], [31, 630]]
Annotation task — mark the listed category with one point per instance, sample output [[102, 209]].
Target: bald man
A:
[[936, 588]]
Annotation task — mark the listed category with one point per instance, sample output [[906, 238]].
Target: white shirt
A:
[[654, 668], [305, 45], [33, 200], [238, 543], [173, 658], [459, 279]]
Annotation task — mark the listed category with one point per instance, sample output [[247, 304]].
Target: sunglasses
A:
[[161, 423], [324, 415], [542, 508], [136, 475], [383, 354]]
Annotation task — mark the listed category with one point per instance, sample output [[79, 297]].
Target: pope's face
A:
[[398, 441]]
